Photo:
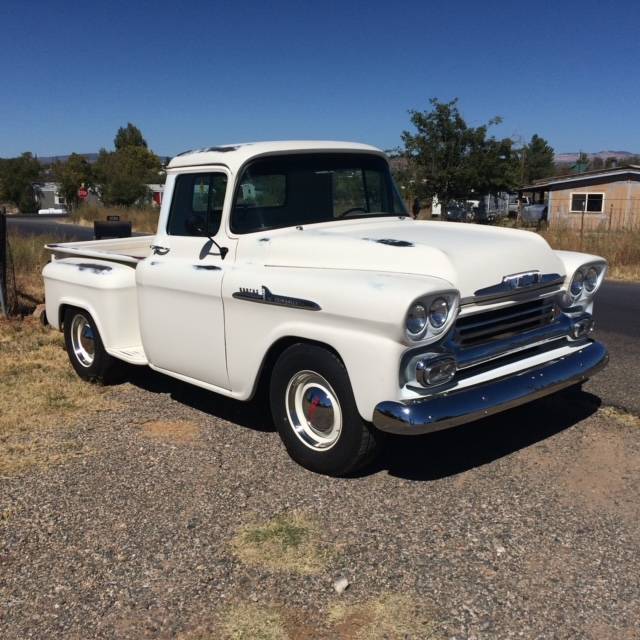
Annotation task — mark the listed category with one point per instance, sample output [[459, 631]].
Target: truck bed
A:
[[127, 250]]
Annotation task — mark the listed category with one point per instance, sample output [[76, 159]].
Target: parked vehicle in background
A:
[[294, 267], [535, 213], [458, 211], [59, 210], [484, 213], [514, 204]]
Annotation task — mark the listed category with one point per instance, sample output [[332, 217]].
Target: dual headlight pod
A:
[[586, 280], [431, 316]]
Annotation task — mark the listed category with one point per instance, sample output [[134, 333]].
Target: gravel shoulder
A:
[[524, 525]]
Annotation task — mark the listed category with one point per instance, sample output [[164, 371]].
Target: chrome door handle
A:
[[159, 251]]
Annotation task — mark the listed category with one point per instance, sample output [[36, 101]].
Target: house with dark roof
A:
[[603, 199]]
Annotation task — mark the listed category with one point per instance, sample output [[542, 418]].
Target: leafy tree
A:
[[496, 166], [452, 159], [596, 163], [122, 176], [129, 136], [610, 162], [581, 164], [537, 160], [17, 177], [71, 175]]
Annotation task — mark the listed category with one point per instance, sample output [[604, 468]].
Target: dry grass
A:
[[620, 416], [40, 395], [143, 219], [171, 431], [385, 617], [289, 542], [388, 617], [620, 248], [254, 622], [29, 257]]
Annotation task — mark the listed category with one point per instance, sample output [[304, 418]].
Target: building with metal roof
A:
[[602, 199]]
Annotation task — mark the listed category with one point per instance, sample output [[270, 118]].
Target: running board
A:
[[132, 355]]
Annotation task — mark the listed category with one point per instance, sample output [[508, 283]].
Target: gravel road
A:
[[524, 525]]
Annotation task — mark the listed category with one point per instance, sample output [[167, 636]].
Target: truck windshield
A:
[[297, 189]]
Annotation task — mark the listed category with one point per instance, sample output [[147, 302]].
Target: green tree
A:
[[581, 164], [452, 159], [129, 136], [596, 163], [71, 175], [122, 176], [610, 162], [536, 160], [17, 178]]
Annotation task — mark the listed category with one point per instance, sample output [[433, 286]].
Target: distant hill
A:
[[570, 158], [90, 157]]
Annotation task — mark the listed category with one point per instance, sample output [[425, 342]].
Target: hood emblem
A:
[[522, 280]]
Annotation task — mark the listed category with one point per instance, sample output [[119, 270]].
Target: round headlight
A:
[[438, 313], [577, 283], [416, 319], [591, 279]]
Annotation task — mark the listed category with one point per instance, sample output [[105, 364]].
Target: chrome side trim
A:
[[458, 407], [266, 297]]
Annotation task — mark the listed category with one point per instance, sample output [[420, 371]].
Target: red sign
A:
[[83, 194]]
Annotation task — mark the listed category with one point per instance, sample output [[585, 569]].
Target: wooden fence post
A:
[[4, 261]]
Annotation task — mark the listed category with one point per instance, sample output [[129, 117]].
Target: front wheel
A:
[[315, 412], [85, 349]]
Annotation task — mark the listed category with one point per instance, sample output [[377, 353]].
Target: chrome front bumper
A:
[[449, 409]]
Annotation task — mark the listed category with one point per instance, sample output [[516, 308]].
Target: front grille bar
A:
[[502, 323]]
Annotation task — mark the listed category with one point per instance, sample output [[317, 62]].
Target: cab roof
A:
[[235, 155]]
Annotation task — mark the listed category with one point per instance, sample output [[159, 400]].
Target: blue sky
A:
[[198, 73]]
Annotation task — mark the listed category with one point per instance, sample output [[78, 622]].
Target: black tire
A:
[[102, 367], [357, 441]]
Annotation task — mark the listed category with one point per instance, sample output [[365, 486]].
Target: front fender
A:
[[360, 315]]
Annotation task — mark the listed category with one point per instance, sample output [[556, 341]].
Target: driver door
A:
[[180, 286]]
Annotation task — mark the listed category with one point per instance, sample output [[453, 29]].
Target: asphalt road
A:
[[617, 314], [48, 225]]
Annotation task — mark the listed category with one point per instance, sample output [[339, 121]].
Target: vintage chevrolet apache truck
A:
[[294, 266]]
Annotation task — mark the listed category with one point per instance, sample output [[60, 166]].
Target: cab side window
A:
[[196, 208]]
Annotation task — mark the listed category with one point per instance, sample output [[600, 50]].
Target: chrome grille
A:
[[498, 324]]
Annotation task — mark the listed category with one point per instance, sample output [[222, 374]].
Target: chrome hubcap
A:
[[313, 410], [83, 340]]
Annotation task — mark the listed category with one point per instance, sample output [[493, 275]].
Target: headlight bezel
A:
[[414, 311], [431, 331], [585, 292]]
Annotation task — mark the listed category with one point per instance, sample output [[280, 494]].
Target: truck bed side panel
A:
[[107, 290]]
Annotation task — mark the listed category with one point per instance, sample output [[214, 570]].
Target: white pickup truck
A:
[[295, 265]]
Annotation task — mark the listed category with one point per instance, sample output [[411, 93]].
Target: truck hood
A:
[[467, 256]]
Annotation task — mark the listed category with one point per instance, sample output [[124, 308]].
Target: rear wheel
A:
[[85, 349], [315, 412]]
